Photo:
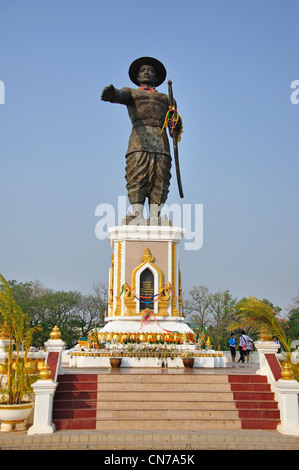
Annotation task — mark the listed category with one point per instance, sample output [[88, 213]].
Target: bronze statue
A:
[[148, 158]]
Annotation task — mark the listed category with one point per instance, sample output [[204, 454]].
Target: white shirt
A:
[[249, 341]]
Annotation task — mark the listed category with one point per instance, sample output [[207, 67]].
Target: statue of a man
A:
[[148, 158]]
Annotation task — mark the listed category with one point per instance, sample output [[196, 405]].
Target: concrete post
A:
[[287, 393], [265, 347], [44, 393]]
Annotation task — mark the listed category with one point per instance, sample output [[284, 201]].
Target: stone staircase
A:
[[164, 401]]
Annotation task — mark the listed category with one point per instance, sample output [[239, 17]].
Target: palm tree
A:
[[16, 330]]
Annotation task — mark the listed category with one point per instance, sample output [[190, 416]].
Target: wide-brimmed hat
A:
[[135, 66]]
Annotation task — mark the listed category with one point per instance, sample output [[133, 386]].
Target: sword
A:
[[175, 143]]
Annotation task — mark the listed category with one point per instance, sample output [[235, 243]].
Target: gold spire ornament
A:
[[55, 334], [286, 373], [264, 334], [45, 373]]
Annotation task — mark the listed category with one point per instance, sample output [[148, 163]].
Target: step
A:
[[162, 404], [247, 378], [161, 378], [164, 387], [255, 423], [261, 413], [248, 387], [149, 424], [253, 396], [149, 414], [75, 404], [74, 395], [78, 378], [256, 404], [69, 386], [170, 396]]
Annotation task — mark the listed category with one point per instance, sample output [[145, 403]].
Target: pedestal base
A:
[[93, 359]]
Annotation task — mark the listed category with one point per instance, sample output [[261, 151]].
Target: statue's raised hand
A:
[[108, 93]]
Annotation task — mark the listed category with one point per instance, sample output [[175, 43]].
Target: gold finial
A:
[[55, 333], [208, 343], [264, 334], [147, 256], [287, 373], [45, 373]]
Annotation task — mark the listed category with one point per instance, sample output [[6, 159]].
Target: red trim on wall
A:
[[52, 362], [274, 365]]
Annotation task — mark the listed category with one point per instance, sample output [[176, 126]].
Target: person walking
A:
[[232, 345], [249, 343], [242, 347]]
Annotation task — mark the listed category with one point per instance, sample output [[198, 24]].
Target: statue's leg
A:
[[160, 184], [137, 181]]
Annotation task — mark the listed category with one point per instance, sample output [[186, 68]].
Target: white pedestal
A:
[[265, 347], [44, 392], [287, 392]]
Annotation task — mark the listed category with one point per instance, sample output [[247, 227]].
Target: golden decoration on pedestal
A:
[[40, 365], [55, 333], [147, 256], [142, 338], [110, 298], [174, 309], [129, 300], [264, 334], [119, 269], [164, 300], [45, 373], [287, 373], [109, 336], [180, 294], [30, 367]]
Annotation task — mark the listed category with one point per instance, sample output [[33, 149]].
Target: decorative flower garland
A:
[[149, 90], [147, 312], [174, 121], [146, 319]]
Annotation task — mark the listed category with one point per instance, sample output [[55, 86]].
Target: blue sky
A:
[[62, 149]]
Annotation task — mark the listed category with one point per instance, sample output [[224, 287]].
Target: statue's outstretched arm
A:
[[113, 95]]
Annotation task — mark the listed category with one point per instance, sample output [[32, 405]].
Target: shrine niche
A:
[[147, 290]]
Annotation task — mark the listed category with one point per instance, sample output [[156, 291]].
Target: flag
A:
[[203, 335]]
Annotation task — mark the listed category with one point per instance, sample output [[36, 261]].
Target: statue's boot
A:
[[138, 210], [136, 218], [155, 219]]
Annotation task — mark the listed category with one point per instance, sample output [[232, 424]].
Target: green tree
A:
[[293, 318], [60, 308], [222, 304], [74, 313]]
